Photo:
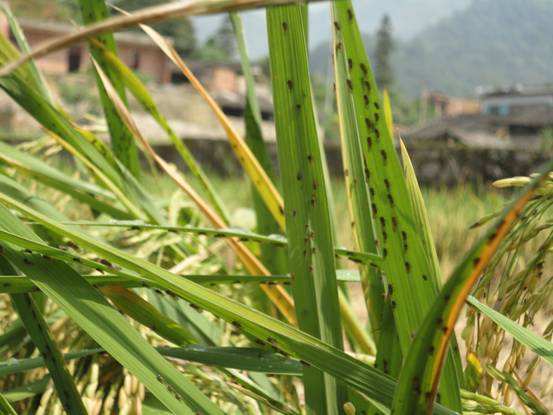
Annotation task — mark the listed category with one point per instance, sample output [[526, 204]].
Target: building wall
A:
[[505, 105], [57, 62], [222, 79], [151, 60], [439, 166], [459, 106]]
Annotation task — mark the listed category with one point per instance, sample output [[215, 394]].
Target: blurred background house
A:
[[135, 49], [437, 104], [519, 116], [222, 78]]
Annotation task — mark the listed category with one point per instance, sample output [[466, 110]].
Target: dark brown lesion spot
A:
[[350, 84], [374, 209]]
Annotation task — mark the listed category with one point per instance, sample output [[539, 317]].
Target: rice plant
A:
[[119, 298]]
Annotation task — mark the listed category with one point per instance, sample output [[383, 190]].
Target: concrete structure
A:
[[515, 117], [223, 80], [226, 83], [441, 105], [516, 99], [136, 50]]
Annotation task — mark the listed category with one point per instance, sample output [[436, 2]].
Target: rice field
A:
[[138, 289]]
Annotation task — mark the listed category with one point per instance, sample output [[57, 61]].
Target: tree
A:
[[221, 45], [181, 29], [182, 32], [384, 48]]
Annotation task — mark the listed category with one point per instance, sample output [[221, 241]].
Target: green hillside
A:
[[489, 43]]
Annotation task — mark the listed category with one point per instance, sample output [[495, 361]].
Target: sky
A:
[[408, 18]]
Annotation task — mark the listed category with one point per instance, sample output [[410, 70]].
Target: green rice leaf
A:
[[308, 224], [26, 391], [143, 312], [266, 224], [286, 338], [88, 193], [15, 284], [411, 283], [524, 336], [241, 358], [278, 240], [359, 203], [420, 375], [104, 324], [21, 40], [5, 407], [280, 297], [122, 143], [140, 92], [40, 335]]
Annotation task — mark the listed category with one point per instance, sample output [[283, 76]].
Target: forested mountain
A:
[[492, 42]]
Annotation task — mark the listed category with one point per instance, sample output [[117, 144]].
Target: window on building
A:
[[179, 78], [135, 60], [267, 115], [11, 35], [74, 59], [500, 110], [233, 111]]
